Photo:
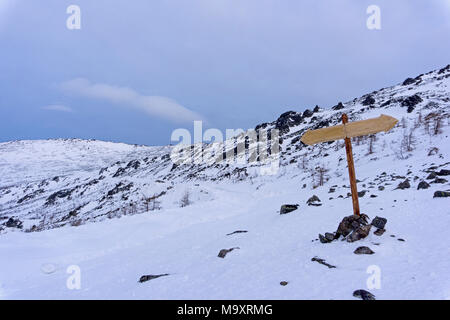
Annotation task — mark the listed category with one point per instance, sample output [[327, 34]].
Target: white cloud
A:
[[156, 106], [58, 107]]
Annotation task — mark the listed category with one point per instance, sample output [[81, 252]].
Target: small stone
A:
[[363, 294], [423, 185], [439, 180], [322, 261], [373, 196], [283, 283], [443, 172], [404, 185], [379, 222], [361, 193], [380, 188], [286, 208], [441, 194], [400, 239], [314, 201], [363, 250], [224, 252], [379, 232]]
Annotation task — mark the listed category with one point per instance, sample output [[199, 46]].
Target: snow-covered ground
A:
[[104, 179]]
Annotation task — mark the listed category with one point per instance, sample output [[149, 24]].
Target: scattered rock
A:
[[400, 239], [369, 100], [423, 185], [351, 223], [339, 106], [439, 180], [314, 201], [443, 172], [361, 193], [379, 222], [408, 81], [379, 232], [411, 101], [380, 188], [286, 208], [359, 233], [373, 196], [307, 113], [237, 231], [284, 283], [432, 175], [224, 252], [404, 185], [441, 194], [151, 277], [363, 294], [322, 261], [363, 250]]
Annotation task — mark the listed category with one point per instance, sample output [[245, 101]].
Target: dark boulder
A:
[[359, 233], [432, 175], [13, 223], [287, 120], [423, 185], [286, 208], [379, 232], [441, 194], [361, 193], [339, 106], [439, 180], [404, 185], [411, 101], [369, 100], [363, 294], [443, 172], [408, 81], [224, 252], [314, 201], [363, 250], [379, 222], [316, 109]]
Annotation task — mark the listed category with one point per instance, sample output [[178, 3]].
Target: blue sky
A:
[[139, 69]]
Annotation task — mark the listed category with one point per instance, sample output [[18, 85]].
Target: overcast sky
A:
[[136, 70]]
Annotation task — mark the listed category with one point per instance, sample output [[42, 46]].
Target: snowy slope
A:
[[56, 184]]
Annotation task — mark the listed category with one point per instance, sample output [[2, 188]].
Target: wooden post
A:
[[351, 170]]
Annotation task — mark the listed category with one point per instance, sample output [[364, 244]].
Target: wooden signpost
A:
[[347, 131]]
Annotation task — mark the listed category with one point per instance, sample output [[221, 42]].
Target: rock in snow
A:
[[363, 250], [286, 208]]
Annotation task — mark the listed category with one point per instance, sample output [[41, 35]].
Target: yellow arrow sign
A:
[[349, 130]]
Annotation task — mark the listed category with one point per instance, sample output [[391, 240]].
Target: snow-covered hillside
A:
[[55, 189]]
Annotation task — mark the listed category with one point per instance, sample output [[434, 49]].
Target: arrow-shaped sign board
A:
[[347, 131]]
